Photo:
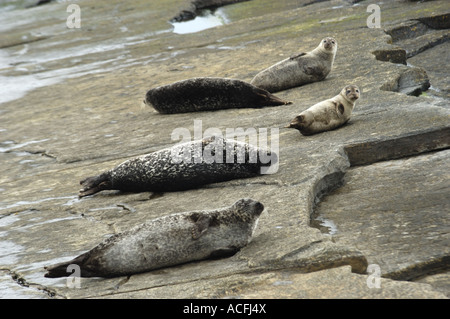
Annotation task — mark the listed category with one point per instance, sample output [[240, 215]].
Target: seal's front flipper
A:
[[292, 57], [94, 184], [200, 226]]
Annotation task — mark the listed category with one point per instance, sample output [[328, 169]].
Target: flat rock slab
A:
[[399, 223], [83, 114]]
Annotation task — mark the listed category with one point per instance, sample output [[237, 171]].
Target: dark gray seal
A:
[[168, 241], [329, 114], [208, 94], [183, 166], [299, 69]]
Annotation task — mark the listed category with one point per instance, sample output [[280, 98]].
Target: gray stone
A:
[[79, 111], [396, 214]]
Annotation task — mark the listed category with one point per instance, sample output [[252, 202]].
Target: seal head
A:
[[329, 44], [351, 93]]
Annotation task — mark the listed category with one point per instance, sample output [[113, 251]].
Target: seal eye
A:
[[348, 92], [357, 91]]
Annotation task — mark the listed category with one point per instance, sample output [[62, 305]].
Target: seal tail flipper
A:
[[269, 98], [297, 122], [94, 184], [63, 269], [58, 270]]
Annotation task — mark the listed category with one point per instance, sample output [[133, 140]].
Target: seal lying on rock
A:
[[206, 94], [299, 69], [328, 114], [169, 240], [184, 166]]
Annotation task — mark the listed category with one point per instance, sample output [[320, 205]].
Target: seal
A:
[[208, 94], [299, 69], [167, 241], [328, 114], [184, 166]]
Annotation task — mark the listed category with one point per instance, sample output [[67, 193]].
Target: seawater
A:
[[205, 20]]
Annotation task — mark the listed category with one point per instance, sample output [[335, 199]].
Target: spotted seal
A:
[[208, 94], [299, 69], [328, 114], [169, 240], [184, 166]]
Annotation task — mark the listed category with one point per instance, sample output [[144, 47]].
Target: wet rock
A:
[[416, 36], [407, 30], [325, 284], [373, 212], [440, 282], [91, 116], [434, 61], [401, 146], [395, 55], [441, 21], [412, 81]]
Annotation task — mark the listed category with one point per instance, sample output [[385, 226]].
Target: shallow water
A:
[[325, 225], [25, 66], [203, 21]]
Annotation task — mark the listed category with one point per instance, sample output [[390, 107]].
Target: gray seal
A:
[[208, 94], [299, 69], [184, 166], [329, 114], [167, 241]]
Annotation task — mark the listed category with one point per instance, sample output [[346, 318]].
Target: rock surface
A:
[[71, 105]]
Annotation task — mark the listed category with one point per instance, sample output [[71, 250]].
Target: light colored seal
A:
[[328, 114], [184, 166], [168, 241], [208, 94], [299, 69]]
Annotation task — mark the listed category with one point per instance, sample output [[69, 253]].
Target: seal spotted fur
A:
[[208, 94], [168, 241], [328, 114], [299, 69], [183, 166]]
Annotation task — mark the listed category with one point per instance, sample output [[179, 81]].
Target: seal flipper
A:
[[292, 57], [94, 184], [298, 122], [268, 98], [200, 226], [61, 269]]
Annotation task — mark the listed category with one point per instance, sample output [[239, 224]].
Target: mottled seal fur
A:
[[208, 94], [183, 166], [168, 241], [328, 114], [299, 69]]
